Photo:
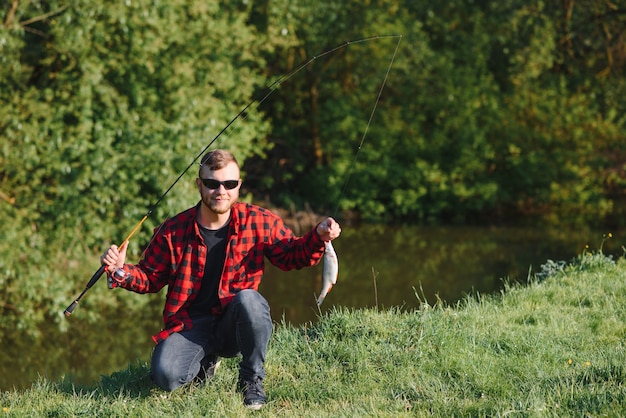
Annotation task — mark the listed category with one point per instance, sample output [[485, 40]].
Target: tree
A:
[[320, 114], [104, 104], [487, 113]]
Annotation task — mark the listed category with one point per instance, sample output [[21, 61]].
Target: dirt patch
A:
[[300, 221]]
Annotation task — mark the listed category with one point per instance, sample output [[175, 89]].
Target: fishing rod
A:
[[265, 93]]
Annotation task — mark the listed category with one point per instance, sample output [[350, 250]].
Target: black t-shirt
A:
[[215, 241]]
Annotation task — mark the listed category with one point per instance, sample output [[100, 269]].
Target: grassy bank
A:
[[554, 347]]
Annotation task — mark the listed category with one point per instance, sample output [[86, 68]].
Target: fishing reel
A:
[[118, 276]]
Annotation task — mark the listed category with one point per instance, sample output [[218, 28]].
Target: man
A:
[[211, 257]]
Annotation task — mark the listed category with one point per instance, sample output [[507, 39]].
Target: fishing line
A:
[[369, 122], [267, 91], [331, 266]]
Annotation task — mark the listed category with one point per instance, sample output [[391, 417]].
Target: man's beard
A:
[[218, 207]]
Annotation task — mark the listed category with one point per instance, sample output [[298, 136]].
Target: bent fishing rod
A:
[[265, 93]]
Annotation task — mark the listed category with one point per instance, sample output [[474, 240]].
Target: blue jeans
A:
[[244, 328]]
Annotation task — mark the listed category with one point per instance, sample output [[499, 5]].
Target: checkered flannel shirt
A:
[[176, 258]]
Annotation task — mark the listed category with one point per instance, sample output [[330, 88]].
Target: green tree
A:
[[320, 114], [555, 145], [488, 111], [104, 104], [491, 110]]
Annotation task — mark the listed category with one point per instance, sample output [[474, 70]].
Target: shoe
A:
[[253, 394], [208, 366]]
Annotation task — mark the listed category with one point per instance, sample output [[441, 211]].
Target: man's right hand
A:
[[115, 257]]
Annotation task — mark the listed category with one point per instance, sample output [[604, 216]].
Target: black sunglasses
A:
[[215, 184]]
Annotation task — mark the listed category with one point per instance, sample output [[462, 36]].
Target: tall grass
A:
[[553, 347]]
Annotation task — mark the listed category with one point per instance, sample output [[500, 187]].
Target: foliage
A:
[[491, 111], [104, 104], [550, 348]]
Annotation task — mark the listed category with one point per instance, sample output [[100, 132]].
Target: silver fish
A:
[[330, 271]]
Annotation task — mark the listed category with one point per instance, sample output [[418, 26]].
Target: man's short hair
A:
[[216, 159]]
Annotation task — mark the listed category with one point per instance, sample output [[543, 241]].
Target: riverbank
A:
[[554, 347], [301, 221]]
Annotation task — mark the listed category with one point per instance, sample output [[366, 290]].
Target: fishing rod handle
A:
[[70, 309], [96, 276]]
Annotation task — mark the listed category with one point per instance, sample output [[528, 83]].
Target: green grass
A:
[[552, 347]]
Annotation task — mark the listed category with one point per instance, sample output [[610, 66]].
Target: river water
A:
[[379, 266]]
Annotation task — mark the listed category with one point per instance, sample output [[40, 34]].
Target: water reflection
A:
[[88, 350], [389, 265], [443, 262]]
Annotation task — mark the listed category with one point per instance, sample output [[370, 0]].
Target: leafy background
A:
[[492, 112]]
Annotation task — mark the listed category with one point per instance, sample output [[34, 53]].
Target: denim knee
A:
[[167, 378], [251, 305], [175, 362]]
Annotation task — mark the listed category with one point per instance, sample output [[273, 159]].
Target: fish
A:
[[330, 271]]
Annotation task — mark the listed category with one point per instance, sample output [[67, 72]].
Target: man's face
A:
[[216, 196]]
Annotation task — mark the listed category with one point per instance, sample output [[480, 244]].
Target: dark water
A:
[[393, 266], [378, 266]]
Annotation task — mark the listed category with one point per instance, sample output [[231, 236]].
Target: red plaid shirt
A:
[[176, 258]]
